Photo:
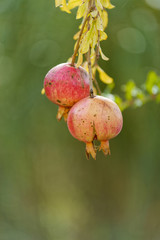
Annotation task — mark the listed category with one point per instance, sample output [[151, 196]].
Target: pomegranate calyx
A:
[[105, 147], [62, 112], [90, 149]]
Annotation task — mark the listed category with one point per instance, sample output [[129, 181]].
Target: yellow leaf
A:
[[103, 36], [64, 7], [99, 23], [85, 66], [43, 91], [74, 3], [86, 41], [75, 37], [95, 37], [93, 57], [94, 91], [69, 60], [99, 5], [104, 17], [84, 46], [102, 55], [94, 13], [93, 71], [58, 3], [107, 4], [82, 10], [80, 59], [104, 77], [110, 6]]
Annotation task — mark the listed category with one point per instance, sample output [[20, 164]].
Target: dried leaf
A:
[[104, 77]]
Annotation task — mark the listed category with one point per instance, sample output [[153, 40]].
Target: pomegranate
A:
[[65, 85], [95, 118]]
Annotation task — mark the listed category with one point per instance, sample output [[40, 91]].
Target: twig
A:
[[79, 38], [97, 85], [96, 63], [90, 73], [97, 49]]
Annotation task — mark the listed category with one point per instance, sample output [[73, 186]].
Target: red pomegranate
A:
[[65, 85], [95, 118]]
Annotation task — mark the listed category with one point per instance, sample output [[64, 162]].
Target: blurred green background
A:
[[48, 190]]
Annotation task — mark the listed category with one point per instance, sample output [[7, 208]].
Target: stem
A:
[[90, 73], [97, 49], [79, 38], [97, 85], [96, 63]]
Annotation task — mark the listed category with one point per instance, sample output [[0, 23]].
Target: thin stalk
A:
[[97, 85], [96, 63], [79, 38], [90, 73]]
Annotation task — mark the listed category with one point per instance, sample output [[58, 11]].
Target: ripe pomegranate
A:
[[65, 85], [95, 118]]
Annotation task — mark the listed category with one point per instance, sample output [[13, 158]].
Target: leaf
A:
[[58, 3], [94, 13], [74, 3], [85, 66], [64, 7], [107, 4], [95, 38], [80, 59], [43, 91], [87, 40], [130, 90], [104, 17], [158, 98], [102, 55], [84, 45], [152, 83], [94, 91], [103, 36], [99, 5], [82, 10], [69, 60], [94, 71], [99, 23], [105, 78], [75, 37]]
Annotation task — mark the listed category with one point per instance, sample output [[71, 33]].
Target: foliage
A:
[[92, 31], [135, 96]]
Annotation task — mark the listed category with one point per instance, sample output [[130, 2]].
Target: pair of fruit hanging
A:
[[73, 86]]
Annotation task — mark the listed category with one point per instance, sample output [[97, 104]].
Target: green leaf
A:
[[129, 90], [153, 83]]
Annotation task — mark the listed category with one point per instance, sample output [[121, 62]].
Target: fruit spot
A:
[[58, 101]]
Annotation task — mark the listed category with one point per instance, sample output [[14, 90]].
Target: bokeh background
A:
[[48, 190]]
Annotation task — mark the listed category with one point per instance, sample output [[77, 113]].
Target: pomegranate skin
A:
[[95, 118], [65, 85]]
